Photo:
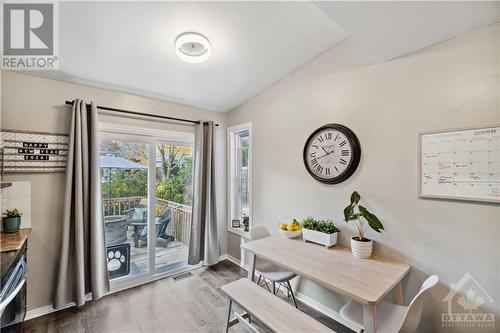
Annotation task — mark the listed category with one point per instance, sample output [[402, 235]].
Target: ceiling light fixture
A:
[[192, 47]]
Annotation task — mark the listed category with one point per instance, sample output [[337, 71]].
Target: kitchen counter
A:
[[13, 241]]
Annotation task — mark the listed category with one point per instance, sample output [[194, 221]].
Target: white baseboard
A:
[[234, 260], [303, 298], [38, 312]]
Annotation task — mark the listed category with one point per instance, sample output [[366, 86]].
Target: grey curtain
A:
[[204, 242], [82, 261]]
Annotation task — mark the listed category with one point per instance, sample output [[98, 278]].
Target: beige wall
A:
[[450, 85], [34, 103]]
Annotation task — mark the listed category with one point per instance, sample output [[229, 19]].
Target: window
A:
[[240, 182]]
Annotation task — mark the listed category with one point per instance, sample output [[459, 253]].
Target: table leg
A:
[[397, 294], [251, 267], [369, 318]]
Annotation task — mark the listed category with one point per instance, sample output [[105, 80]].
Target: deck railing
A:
[[179, 226]]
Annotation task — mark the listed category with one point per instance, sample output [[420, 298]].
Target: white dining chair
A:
[[269, 271], [392, 318]]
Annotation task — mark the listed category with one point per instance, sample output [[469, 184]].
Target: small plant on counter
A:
[[361, 247], [324, 226], [322, 232], [12, 220], [12, 213]]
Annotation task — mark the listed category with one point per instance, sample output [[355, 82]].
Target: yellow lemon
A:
[[283, 226]]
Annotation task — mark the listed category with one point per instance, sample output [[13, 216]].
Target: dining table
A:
[[366, 281]]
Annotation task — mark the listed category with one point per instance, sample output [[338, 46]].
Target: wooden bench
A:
[[269, 309]]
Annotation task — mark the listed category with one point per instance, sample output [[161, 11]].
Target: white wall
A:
[[450, 85], [37, 104]]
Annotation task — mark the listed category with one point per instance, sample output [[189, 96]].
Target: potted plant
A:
[[361, 247], [246, 223], [11, 220], [319, 231]]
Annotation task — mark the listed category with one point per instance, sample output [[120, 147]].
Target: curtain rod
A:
[[142, 114]]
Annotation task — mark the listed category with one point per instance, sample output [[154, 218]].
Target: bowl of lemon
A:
[[291, 230]]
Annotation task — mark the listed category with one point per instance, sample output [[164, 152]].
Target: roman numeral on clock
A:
[[343, 143], [342, 161], [319, 168], [328, 136], [327, 171], [320, 138], [314, 162], [345, 152]]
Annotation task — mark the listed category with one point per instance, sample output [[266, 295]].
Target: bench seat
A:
[[269, 309]]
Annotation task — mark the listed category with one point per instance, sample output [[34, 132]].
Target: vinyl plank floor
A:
[[194, 304]]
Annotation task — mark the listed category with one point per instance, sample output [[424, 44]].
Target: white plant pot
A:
[[327, 240], [361, 249]]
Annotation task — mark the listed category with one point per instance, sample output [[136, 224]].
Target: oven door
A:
[[12, 295]]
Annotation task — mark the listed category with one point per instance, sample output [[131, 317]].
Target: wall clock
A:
[[332, 153]]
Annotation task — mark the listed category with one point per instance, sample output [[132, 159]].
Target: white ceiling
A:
[[392, 29], [129, 46]]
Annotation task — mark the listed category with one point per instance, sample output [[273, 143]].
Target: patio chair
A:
[[161, 229]]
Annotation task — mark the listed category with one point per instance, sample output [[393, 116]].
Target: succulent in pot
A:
[[361, 247], [321, 232], [11, 220]]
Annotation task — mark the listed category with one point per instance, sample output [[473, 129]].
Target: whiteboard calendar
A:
[[461, 164]]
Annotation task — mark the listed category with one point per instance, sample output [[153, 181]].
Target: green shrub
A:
[[324, 226]]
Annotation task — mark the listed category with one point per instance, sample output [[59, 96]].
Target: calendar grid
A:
[[461, 164]]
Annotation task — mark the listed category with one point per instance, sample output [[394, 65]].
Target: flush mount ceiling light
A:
[[192, 47]]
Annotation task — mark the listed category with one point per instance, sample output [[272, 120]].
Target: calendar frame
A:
[[447, 197]]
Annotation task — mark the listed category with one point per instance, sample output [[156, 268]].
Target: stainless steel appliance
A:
[[13, 292]]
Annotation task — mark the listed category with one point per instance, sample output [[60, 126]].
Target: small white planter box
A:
[[327, 240]]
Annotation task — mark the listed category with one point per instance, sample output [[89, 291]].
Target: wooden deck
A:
[[173, 256]]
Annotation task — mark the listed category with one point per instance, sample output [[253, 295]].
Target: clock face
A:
[[331, 154]]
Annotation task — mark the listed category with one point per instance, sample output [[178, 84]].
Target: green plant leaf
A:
[[355, 197], [349, 213], [372, 220]]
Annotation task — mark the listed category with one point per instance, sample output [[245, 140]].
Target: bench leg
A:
[[226, 328]]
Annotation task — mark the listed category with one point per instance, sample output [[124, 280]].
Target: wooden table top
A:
[[13, 241], [364, 280]]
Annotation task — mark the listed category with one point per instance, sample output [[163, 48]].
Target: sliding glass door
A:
[[173, 204], [146, 188]]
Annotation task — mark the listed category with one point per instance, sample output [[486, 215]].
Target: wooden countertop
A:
[[13, 241]]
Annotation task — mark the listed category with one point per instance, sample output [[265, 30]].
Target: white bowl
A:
[[290, 234]]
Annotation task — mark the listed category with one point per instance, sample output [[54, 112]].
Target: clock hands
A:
[[326, 153]]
